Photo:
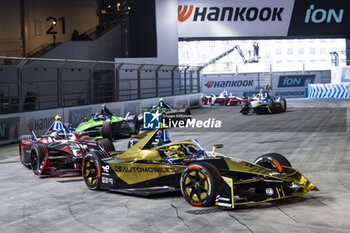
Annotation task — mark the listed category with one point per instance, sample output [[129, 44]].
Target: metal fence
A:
[[28, 84]]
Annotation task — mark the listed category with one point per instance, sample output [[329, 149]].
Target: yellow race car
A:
[[154, 164]]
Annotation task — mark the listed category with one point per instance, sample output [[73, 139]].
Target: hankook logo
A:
[[239, 83], [184, 12], [229, 13], [209, 84]]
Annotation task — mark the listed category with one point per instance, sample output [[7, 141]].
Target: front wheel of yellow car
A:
[[199, 184], [91, 170]]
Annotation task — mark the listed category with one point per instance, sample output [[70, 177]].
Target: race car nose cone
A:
[[269, 191]]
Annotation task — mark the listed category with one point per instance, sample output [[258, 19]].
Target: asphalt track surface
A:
[[314, 138]]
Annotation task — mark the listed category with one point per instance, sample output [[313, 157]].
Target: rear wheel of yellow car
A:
[[199, 184], [91, 170]]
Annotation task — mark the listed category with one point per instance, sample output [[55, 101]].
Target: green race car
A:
[[166, 112], [106, 124]]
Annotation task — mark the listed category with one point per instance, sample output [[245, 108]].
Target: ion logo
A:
[[151, 120], [295, 81], [184, 13], [345, 77], [320, 15]]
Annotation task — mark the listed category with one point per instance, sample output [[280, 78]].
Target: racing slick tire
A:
[[273, 161], [107, 131], [245, 108], [91, 169], [271, 107], [226, 101], [283, 105], [21, 152], [37, 157], [137, 125], [199, 184], [106, 144]]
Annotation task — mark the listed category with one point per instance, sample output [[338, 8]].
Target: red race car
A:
[[225, 98], [59, 150]]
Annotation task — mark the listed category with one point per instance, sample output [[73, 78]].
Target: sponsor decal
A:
[[107, 180], [43, 123], [322, 15], [144, 169], [224, 84], [228, 18], [105, 168], [345, 75], [295, 80], [319, 18], [300, 93], [227, 13]]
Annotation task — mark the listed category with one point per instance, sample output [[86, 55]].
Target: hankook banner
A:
[[262, 18], [234, 84]]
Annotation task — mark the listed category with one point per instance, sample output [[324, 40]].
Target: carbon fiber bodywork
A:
[[146, 168], [117, 125], [263, 104]]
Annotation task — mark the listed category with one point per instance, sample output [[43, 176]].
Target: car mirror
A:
[[217, 146]]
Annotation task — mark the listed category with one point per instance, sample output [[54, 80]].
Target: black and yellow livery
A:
[[263, 102], [205, 179]]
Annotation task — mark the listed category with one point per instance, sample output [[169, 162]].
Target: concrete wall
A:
[[78, 14], [10, 33], [14, 125], [105, 48]]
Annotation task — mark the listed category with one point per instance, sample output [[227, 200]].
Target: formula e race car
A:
[[156, 165], [59, 150], [263, 102], [225, 98], [106, 124], [167, 113]]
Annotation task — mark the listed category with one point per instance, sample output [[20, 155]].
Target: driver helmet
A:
[[175, 151], [58, 129], [161, 103], [164, 137]]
